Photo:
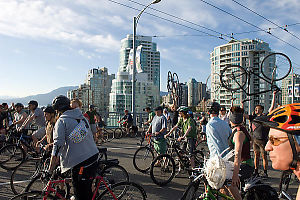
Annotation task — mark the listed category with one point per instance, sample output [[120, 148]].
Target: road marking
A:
[[15, 182], [118, 148]]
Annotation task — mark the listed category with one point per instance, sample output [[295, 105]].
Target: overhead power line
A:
[[180, 24], [250, 24], [278, 26]]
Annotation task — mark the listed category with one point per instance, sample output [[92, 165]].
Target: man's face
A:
[[18, 109], [31, 107], [47, 116], [222, 111], [158, 112], [258, 110]]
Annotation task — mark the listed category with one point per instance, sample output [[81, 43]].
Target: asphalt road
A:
[[123, 149]]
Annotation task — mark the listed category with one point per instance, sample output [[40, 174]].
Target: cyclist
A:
[[9, 117], [217, 130], [37, 116], [75, 146], [239, 140], [49, 113], [223, 115], [128, 120], [284, 138], [91, 114], [188, 130], [158, 127], [260, 137], [19, 116], [168, 117], [151, 115]]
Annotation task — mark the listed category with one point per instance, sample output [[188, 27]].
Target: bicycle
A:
[[13, 155], [25, 173], [165, 172], [122, 190], [122, 130], [235, 77], [144, 155], [105, 135], [284, 185]]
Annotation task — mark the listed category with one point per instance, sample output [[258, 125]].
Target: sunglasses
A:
[[276, 141]]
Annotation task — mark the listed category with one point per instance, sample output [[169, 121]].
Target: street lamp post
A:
[[135, 22]]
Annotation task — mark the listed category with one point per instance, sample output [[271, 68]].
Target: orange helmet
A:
[[285, 118]]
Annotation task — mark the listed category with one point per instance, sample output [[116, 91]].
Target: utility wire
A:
[[278, 26], [208, 34], [187, 21], [249, 23]]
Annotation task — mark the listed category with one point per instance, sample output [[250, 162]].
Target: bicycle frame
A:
[[271, 82], [50, 189]]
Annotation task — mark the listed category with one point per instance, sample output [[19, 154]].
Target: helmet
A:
[[33, 102], [285, 118], [49, 109], [183, 109], [19, 105], [213, 107], [61, 103]]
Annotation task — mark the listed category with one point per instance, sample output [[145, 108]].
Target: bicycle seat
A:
[[102, 149]]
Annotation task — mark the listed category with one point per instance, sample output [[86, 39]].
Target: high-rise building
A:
[[95, 91], [147, 54], [286, 89], [147, 78], [248, 54], [196, 92]]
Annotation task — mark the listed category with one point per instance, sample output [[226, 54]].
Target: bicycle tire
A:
[[194, 191], [146, 155], [118, 133], [157, 174], [282, 75], [13, 153], [108, 135], [21, 176], [123, 190], [169, 81], [227, 77], [132, 133], [114, 174]]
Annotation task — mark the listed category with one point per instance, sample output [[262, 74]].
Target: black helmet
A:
[[213, 107], [19, 105], [49, 109], [61, 103], [33, 102]]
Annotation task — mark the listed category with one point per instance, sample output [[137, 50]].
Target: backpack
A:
[[261, 192]]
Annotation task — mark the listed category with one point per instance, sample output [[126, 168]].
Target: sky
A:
[[45, 45]]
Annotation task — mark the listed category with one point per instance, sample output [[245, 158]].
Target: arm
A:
[[238, 140], [168, 134], [58, 143], [273, 101], [27, 120], [186, 133], [23, 118]]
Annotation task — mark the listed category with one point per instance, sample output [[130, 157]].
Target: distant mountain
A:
[[43, 99], [163, 93]]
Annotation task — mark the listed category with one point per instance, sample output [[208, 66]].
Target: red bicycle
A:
[[59, 189]]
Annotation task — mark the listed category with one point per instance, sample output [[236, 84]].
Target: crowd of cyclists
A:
[[70, 136]]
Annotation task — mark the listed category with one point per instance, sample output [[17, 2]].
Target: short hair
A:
[[236, 109], [78, 101], [262, 107]]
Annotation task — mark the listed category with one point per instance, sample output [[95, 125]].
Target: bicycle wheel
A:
[[199, 158], [21, 176], [143, 158], [194, 191], [11, 156], [36, 195], [233, 77], [162, 169], [169, 81], [124, 190], [276, 66], [118, 133], [132, 132], [108, 135], [114, 174]]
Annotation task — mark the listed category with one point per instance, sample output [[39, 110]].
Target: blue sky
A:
[[51, 44]]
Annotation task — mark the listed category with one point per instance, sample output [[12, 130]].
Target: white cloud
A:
[[39, 20]]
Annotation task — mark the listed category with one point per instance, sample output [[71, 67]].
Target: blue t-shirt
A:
[[158, 123], [217, 133]]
